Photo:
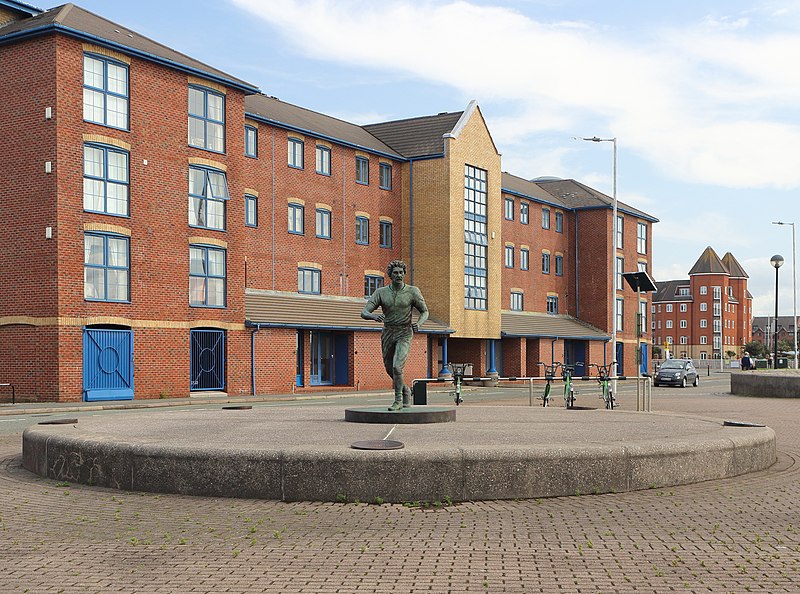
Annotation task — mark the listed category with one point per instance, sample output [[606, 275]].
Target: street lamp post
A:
[[794, 287], [777, 262], [613, 142]]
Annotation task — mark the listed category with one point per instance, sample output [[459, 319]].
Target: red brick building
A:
[[708, 315], [169, 229]]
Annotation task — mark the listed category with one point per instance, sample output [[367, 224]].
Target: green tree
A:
[[756, 349]]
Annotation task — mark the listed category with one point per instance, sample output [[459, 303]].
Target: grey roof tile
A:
[[535, 324], [314, 123], [708, 263], [72, 19], [295, 310], [416, 137]]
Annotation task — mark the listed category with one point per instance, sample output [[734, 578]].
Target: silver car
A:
[[676, 372]]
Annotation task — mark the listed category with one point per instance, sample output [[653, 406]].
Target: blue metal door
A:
[[341, 360], [643, 351], [107, 364], [208, 360]]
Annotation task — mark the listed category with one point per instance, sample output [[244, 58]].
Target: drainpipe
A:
[[253, 357], [491, 357], [273, 213], [411, 218], [576, 266]]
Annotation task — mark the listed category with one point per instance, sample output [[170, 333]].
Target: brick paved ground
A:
[[738, 535]]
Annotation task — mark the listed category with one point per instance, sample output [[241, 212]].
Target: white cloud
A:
[[706, 103]]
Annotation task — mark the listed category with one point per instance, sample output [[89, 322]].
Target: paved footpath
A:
[[735, 535]]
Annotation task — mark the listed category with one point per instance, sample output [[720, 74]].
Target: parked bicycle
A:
[[458, 378], [569, 391], [549, 376], [604, 379]]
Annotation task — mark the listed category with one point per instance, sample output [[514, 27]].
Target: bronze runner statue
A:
[[396, 301]]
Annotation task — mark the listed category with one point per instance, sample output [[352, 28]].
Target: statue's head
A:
[[396, 264]]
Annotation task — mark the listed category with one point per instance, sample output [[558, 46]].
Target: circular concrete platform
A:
[[415, 415], [303, 453]]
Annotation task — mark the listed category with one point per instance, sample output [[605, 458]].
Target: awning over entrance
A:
[[276, 309], [541, 325]]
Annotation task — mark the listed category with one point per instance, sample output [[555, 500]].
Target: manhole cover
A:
[[378, 444], [59, 422], [242, 407]]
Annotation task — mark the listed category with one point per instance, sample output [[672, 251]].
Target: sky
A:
[[703, 96]]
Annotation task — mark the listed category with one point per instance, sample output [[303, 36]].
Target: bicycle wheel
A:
[[610, 401], [546, 396]]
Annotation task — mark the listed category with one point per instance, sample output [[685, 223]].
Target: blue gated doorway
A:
[[107, 364], [208, 360]]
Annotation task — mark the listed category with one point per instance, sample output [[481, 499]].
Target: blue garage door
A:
[[107, 364], [208, 360]]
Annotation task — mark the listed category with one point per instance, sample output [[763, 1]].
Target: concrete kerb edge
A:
[[459, 474]]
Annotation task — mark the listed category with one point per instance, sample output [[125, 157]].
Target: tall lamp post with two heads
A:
[[777, 262], [614, 362]]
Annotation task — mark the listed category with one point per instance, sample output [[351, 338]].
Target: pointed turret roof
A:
[[734, 268], [708, 263]]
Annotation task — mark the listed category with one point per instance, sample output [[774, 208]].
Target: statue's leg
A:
[[402, 348], [389, 347]]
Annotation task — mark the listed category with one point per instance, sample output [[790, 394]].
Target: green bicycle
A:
[[604, 379], [569, 391], [549, 376]]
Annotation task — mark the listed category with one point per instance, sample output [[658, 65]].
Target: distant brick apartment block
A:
[[708, 315], [170, 229]]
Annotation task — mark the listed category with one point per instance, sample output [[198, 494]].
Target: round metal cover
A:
[[59, 422], [239, 407], [378, 444]]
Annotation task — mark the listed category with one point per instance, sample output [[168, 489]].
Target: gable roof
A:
[[73, 20], [668, 291], [417, 137], [733, 267], [708, 263], [579, 196], [513, 184], [274, 111]]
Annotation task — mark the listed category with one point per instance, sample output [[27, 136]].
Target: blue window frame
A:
[[545, 263], [545, 218], [509, 256], [516, 301], [323, 160], [552, 305], [208, 192], [523, 212], [250, 210], [559, 265], [308, 280], [362, 170], [251, 141], [105, 91], [106, 267], [524, 259], [476, 238], [206, 119], [559, 222], [386, 234], [296, 150], [372, 284], [323, 223], [362, 230], [206, 276], [509, 209], [296, 218], [105, 179], [385, 176]]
